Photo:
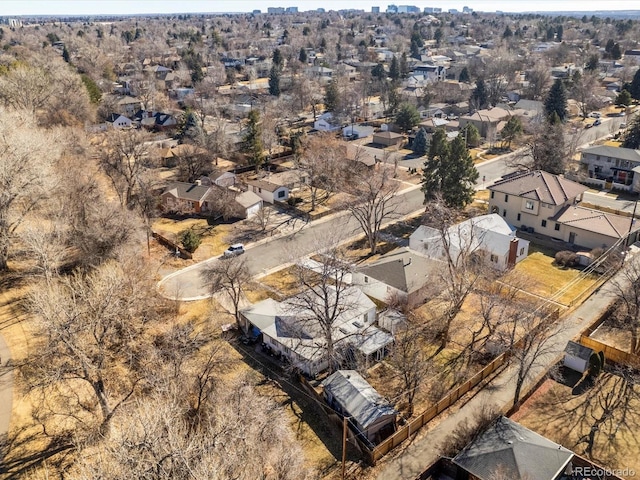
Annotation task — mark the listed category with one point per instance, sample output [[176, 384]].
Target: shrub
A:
[[566, 258], [190, 240]]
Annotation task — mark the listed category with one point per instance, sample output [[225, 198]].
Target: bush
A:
[[566, 258], [190, 240]]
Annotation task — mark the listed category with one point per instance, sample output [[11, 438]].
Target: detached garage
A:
[[576, 357]]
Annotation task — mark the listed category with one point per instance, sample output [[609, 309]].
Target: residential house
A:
[[509, 449], [533, 199], [612, 164], [387, 138], [488, 236], [431, 73], [292, 179], [402, 275], [129, 105], [185, 197], [324, 74], [269, 192], [116, 120], [294, 332], [327, 123], [368, 413], [489, 122], [155, 120]]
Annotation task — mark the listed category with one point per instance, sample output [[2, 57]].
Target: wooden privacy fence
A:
[[445, 402], [168, 243], [612, 354]]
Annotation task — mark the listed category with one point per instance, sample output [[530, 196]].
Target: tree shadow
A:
[[585, 383]]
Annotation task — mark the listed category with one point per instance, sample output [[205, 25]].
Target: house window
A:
[[494, 258], [366, 279], [528, 205], [493, 194], [281, 194], [608, 159], [518, 217], [506, 198], [557, 227], [544, 223], [521, 252], [259, 190], [597, 157], [504, 212]]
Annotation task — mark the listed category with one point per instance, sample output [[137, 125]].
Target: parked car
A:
[[234, 250], [623, 125], [595, 115], [597, 122]]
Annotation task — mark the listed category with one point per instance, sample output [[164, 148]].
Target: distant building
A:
[[320, 10], [375, 9], [256, 12], [432, 10], [291, 10], [453, 10], [275, 10], [392, 9], [467, 10], [408, 9]]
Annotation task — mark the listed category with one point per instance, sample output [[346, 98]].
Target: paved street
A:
[[424, 450]]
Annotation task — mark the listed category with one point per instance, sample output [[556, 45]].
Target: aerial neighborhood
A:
[[389, 243]]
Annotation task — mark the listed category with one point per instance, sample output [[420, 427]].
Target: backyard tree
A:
[[374, 200], [407, 116], [634, 87], [464, 75], [230, 276], [252, 140], [274, 81], [409, 358], [190, 240], [472, 135], [582, 90], [545, 149], [556, 101], [394, 69], [623, 99], [321, 162], [479, 97], [449, 173], [332, 96]]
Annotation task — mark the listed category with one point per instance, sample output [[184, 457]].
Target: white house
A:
[[294, 332], [357, 131], [116, 120], [269, 192], [250, 204], [326, 123], [488, 235]]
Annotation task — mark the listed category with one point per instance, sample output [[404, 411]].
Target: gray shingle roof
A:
[[614, 152], [187, 191], [402, 268], [576, 350], [538, 185], [357, 397], [508, 447]]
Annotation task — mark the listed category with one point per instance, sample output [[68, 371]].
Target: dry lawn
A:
[[546, 281], [567, 414], [215, 238]]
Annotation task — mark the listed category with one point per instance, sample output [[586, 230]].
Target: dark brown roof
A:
[[538, 185]]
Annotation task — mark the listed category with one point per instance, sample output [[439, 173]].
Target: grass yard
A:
[[215, 238], [599, 421], [547, 281]]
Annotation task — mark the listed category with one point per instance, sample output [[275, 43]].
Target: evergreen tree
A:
[[634, 88], [559, 33], [416, 44], [479, 98], [378, 72], [616, 52], [419, 145], [404, 66], [331, 96], [593, 63], [507, 33], [449, 171], [472, 135], [65, 54], [277, 58], [511, 130], [556, 101], [464, 75], [303, 55], [632, 137], [394, 69], [274, 81], [407, 116], [252, 140], [438, 35], [623, 99]]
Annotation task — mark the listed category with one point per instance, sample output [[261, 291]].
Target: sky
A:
[[124, 7]]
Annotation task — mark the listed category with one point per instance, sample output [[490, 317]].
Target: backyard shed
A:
[[576, 357]]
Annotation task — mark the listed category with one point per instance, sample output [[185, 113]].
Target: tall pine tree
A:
[[556, 101], [252, 140]]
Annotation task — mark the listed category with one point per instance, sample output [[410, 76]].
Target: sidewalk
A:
[[424, 451]]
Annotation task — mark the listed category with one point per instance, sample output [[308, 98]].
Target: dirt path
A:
[[6, 387]]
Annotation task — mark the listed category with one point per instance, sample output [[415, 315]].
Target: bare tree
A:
[[122, 157], [374, 200], [28, 155], [192, 161], [626, 288], [410, 359], [325, 298], [90, 358], [230, 276], [321, 162]]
